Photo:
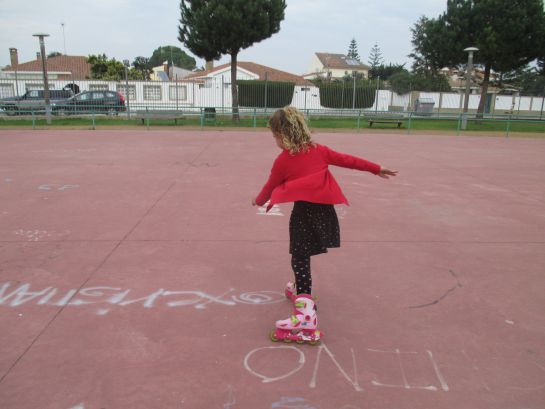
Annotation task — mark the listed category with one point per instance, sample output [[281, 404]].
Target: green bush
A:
[[339, 96], [251, 93]]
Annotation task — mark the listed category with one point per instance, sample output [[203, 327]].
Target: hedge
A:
[[251, 93], [334, 96]]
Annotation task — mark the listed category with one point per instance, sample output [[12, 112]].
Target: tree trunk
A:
[[484, 91], [234, 91]]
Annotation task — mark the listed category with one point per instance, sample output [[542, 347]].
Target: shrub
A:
[[251, 93], [338, 96]]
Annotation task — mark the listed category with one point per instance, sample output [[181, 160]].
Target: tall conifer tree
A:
[[375, 59], [353, 50]]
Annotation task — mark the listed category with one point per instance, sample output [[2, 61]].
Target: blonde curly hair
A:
[[290, 125]]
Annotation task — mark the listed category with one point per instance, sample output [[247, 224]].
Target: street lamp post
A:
[[46, 83], [126, 64], [470, 51]]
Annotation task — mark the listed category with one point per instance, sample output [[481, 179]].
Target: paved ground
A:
[[134, 273]]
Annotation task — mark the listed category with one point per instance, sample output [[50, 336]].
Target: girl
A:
[[300, 174]]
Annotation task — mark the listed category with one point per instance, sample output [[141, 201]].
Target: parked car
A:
[[33, 101], [87, 102]]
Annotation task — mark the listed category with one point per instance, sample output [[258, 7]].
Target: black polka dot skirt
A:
[[314, 228]]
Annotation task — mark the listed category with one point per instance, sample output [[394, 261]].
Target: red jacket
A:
[[305, 176]]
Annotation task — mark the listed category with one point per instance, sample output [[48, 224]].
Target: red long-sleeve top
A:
[[305, 176]]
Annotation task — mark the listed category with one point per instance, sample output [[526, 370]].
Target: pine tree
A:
[[212, 28], [174, 55], [375, 59], [508, 35], [353, 50]]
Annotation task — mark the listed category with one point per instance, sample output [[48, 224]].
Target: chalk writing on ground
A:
[[436, 380], [274, 211], [411, 365], [60, 188], [18, 294]]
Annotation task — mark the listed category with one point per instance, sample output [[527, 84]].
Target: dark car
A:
[[33, 101], [86, 102]]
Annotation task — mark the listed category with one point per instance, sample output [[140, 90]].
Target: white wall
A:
[[215, 93], [315, 65]]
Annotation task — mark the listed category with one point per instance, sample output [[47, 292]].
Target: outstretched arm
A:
[[353, 162], [349, 161]]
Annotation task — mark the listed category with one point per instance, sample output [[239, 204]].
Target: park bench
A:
[[146, 115], [384, 119]]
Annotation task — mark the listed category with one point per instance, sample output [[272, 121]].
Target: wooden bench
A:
[[385, 121], [159, 114]]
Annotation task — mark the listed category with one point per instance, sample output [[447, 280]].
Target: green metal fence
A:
[[406, 122]]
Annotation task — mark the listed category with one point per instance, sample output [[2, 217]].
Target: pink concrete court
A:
[[134, 273]]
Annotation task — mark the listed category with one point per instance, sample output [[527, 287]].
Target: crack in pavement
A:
[[446, 294]]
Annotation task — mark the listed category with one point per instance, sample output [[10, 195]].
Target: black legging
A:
[[301, 269]]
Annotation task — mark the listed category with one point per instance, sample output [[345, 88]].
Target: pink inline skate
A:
[[301, 327]]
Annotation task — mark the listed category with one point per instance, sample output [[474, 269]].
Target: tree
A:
[[403, 82], [375, 59], [174, 55], [386, 71], [432, 46], [509, 34], [143, 67], [353, 50], [528, 80], [53, 54], [106, 69], [212, 28]]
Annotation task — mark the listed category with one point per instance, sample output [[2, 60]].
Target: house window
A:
[[152, 92], [98, 87], [177, 92], [121, 88], [6, 91]]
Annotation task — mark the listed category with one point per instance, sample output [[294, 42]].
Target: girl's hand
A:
[[253, 202], [386, 173]]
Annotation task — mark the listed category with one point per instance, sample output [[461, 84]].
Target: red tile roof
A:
[[78, 66], [258, 69], [339, 61]]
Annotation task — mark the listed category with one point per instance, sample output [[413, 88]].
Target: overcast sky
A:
[[125, 29]]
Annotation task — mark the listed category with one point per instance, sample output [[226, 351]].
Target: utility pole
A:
[[63, 38]]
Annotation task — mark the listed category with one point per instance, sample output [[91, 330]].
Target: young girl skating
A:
[[300, 174]]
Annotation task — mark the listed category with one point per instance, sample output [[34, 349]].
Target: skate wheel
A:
[[300, 342], [272, 336], [287, 340]]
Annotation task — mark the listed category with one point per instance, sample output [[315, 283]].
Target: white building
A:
[[334, 66]]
